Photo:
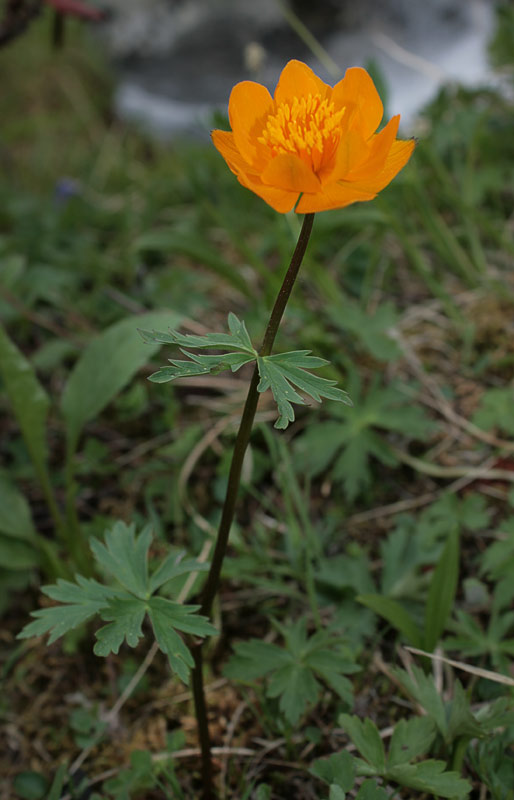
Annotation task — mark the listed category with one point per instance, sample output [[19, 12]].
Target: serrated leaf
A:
[[354, 439], [237, 339], [461, 721], [366, 738], [372, 329], [422, 689], [297, 688], [430, 776], [125, 556], [171, 644], [442, 591], [28, 399], [255, 659], [107, 364], [370, 791], [338, 769], [395, 614], [125, 616], [411, 738], [200, 365], [281, 374], [82, 601], [173, 566], [181, 617]]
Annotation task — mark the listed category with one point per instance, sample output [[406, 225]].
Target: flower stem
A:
[[227, 516]]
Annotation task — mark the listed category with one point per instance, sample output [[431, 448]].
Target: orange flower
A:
[[311, 146]]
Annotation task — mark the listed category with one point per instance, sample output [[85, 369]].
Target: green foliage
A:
[[107, 364], [495, 410], [346, 444], [294, 671], [125, 557], [454, 720], [284, 371], [439, 604], [280, 373], [411, 739], [29, 400], [373, 331], [18, 538]]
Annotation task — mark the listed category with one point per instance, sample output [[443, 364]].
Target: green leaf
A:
[[395, 614], [373, 330], [125, 556], [430, 776], [461, 721], [82, 600], [15, 516], [200, 365], [172, 567], [28, 399], [442, 591], [422, 689], [350, 443], [30, 785], [366, 738], [411, 738], [297, 688], [338, 769], [182, 617], [125, 616], [172, 645], [255, 659], [107, 364], [371, 791], [165, 617], [56, 789], [336, 793], [237, 339], [282, 372], [16, 554], [495, 410]]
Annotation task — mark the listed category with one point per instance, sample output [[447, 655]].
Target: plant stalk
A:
[[243, 437]]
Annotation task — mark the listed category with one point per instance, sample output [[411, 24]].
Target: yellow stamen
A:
[[306, 127]]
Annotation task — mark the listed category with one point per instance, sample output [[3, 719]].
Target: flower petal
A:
[[357, 92], [298, 80], [224, 142], [335, 195], [280, 200], [380, 145], [397, 157], [351, 152], [288, 171], [247, 109]]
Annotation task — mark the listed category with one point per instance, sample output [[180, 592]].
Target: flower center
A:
[[306, 127]]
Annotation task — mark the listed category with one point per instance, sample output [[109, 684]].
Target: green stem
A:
[[227, 516]]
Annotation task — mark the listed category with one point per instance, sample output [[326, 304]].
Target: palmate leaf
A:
[[125, 556], [410, 739], [238, 340], [283, 372], [347, 443], [294, 673], [83, 600]]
